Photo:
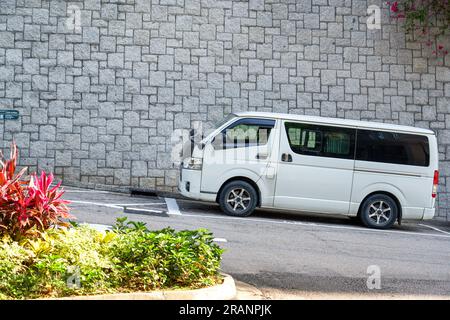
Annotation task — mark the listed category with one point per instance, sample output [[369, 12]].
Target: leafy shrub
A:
[[165, 258], [28, 206], [40, 256], [14, 262], [131, 258]]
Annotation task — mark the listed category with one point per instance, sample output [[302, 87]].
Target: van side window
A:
[[392, 147], [322, 141], [245, 133], [305, 140]]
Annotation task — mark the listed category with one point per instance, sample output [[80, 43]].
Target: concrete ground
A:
[[281, 255]]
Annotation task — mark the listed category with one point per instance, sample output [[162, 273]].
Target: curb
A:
[[246, 291], [224, 291]]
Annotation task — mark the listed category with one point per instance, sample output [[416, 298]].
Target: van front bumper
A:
[[189, 185], [428, 213]]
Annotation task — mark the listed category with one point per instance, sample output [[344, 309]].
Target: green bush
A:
[[81, 260]]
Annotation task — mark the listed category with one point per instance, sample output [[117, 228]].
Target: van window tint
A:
[[245, 133], [323, 141], [392, 147]]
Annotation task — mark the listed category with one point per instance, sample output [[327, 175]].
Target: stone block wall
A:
[[99, 100]]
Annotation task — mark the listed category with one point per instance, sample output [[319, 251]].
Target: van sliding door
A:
[[315, 169]]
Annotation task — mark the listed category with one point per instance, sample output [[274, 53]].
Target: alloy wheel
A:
[[380, 212], [238, 199]]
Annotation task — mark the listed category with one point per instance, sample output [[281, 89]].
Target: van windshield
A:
[[220, 123], [216, 126]]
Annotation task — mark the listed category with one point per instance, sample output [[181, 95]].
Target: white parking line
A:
[[97, 204], [315, 225], [85, 191], [143, 210], [139, 204], [100, 227], [116, 206], [434, 228], [172, 207], [220, 240]]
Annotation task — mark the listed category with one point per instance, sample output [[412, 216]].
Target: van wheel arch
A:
[[399, 206], [248, 180]]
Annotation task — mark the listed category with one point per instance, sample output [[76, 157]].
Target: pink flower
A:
[[394, 7], [440, 47]]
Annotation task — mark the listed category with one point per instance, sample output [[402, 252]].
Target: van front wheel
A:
[[238, 198], [379, 211]]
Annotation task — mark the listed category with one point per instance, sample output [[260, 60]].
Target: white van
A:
[[380, 173]]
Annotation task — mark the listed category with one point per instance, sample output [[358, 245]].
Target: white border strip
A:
[[172, 207]]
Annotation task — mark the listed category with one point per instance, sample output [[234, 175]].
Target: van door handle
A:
[[286, 157]]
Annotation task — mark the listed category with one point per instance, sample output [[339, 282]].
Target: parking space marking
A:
[[96, 204], [252, 220], [139, 204], [434, 228], [85, 191], [123, 207], [100, 227], [220, 240], [172, 207], [117, 205], [142, 210]]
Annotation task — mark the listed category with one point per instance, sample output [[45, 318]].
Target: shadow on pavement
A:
[[298, 282]]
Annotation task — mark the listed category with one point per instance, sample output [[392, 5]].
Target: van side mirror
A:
[[216, 143], [209, 148]]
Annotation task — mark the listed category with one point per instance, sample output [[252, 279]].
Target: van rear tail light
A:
[[435, 183]]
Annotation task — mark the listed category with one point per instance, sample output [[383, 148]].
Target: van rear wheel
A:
[[238, 198], [379, 211]]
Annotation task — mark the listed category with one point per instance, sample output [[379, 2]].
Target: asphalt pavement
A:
[[296, 255]]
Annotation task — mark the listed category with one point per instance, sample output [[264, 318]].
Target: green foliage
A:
[[165, 258], [124, 226], [130, 258]]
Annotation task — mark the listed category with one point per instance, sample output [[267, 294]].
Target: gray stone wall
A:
[[99, 103]]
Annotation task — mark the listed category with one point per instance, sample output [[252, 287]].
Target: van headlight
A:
[[193, 163]]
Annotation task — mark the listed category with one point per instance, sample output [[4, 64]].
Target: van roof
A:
[[336, 121]]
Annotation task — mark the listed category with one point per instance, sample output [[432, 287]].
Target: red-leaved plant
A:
[[427, 21], [28, 206]]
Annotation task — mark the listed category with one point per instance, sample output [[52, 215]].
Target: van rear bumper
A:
[[428, 213]]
